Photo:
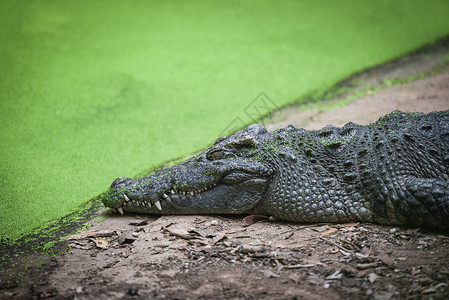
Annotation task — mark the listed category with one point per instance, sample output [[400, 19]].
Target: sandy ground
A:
[[216, 257]]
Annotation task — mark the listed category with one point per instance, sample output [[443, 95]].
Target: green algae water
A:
[[93, 90]]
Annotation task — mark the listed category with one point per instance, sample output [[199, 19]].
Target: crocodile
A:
[[393, 171]]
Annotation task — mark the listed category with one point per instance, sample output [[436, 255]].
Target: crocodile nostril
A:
[[119, 180]]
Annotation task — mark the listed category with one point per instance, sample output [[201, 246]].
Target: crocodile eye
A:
[[218, 153], [215, 154]]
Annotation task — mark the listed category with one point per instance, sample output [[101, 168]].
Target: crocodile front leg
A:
[[426, 203]]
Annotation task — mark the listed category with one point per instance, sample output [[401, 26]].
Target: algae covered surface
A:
[[93, 90]]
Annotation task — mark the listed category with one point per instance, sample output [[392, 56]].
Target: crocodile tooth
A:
[[126, 197], [120, 210], [172, 192], [191, 193], [165, 196], [158, 204]]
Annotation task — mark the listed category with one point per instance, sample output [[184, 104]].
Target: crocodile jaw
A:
[[215, 198]]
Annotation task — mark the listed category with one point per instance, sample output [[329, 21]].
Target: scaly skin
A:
[[394, 171]]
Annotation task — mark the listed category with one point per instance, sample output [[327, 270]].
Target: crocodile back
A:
[[357, 172]]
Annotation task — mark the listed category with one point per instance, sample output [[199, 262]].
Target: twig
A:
[[343, 249], [235, 231], [298, 266], [368, 265], [289, 235], [180, 235]]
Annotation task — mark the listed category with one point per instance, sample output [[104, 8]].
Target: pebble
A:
[[394, 230], [372, 277], [133, 290]]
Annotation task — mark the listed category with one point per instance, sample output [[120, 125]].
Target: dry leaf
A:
[[93, 234], [203, 233], [219, 237], [139, 222], [250, 220], [101, 243], [126, 238]]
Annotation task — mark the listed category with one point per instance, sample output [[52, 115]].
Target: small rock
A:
[[133, 290], [394, 230], [372, 277]]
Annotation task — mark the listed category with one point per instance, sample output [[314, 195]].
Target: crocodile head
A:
[[225, 179]]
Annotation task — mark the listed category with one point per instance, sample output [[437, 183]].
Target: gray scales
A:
[[393, 171]]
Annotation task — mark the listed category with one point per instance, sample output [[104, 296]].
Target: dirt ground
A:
[[218, 257]]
